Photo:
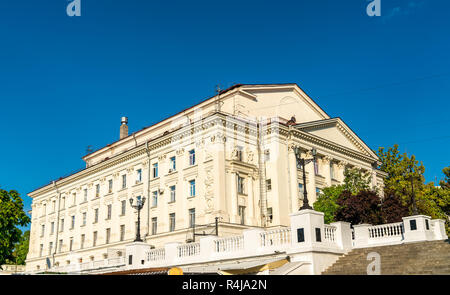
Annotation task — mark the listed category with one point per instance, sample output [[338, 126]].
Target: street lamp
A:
[[139, 205], [301, 163]]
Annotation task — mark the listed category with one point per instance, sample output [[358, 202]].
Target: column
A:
[[250, 202], [326, 160], [293, 179], [233, 193], [311, 180]]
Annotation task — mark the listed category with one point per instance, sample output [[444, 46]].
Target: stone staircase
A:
[[431, 257]]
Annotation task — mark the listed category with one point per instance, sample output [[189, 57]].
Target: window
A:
[[240, 184], [138, 176], [300, 188], [82, 241], [124, 181], [53, 206], [94, 240], [316, 167], [60, 246], [71, 244], [84, 218], [154, 199], [155, 170], [124, 205], [270, 214], [44, 209], [154, 225], [41, 249], [122, 232], [63, 201], [173, 164], [97, 190], [95, 215], [110, 186], [108, 235], [192, 188], [52, 228], [318, 191], [50, 247], [191, 217], [62, 225], [331, 170], [85, 195], [172, 193], [171, 221], [192, 157], [242, 214], [74, 199], [109, 209], [266, 155], [239, 153], [42, 230], [72, 226], [269, 185]]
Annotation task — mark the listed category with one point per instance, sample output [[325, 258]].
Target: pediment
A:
[[335, 130]]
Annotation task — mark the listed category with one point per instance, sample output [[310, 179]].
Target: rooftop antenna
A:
[[218, 90]]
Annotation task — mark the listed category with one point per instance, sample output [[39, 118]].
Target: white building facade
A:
[[230, 157]]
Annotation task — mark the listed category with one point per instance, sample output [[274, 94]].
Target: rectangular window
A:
[[155, 170], [110, 186], [191, 217], [300, 188], [42, 230], [240, 183], [85, 195], [74, 199], [63, 203], [94, 239], [192, 157], [139, 176], [332, 170], [124, 205], [53, 206], [108, 235], [82, 241], [154, 199], [239, 153], [154, 225], [97, 190], [122, 232], [41, 249], [95, 215], [60, 246], [269, 184], [71, 244], [109, 208], [62, 225], [124, 181], [172, 193], [270, 214], [44, 209], [171, 221], [242, 214], [52, 228], [50, 246], [192, 188], [72, 225], [173, 164], [318, 191], [84, 218]]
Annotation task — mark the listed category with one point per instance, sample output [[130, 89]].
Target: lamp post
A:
[[301, 162], [139, 205]]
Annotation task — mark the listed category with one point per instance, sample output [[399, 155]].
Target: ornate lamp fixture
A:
[[139, 205], [301, 162]]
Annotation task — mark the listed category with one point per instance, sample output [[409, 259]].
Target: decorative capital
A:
[[342, 164], [326, 159], [180, 152]]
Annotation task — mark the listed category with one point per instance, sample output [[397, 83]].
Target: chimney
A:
[[124, 128]]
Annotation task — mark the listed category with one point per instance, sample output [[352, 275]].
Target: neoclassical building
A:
[[230, 157]]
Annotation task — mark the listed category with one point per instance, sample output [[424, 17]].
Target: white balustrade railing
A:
[[116, 261], [386, 230], [187, 250], [229, 244], [329, 233], [276, 237], [156, 254]]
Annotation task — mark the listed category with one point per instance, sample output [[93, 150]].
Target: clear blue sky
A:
[[65, 82]]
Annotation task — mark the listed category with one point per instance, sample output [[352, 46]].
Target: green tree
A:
[[21, 249], [326, 202], [356, 180], [363, 207], [11, 216]]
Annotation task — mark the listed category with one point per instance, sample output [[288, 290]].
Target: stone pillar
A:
[[311, 180], [293, 179], [343, 235], [171, 253], [417, 228], [136, 253], [303, 228], [361, 235], [252, 239], [340, 173], [326, 160], [233, 193], [439, 229], [207, 247], [250, 215]]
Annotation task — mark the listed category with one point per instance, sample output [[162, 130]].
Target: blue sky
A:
[[66, 81]]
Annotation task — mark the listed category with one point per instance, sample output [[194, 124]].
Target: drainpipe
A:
[[262, 176], [147, 149], [57, 223]]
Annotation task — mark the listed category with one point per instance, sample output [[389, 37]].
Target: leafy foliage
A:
[[326, 202], [356, 180], [363, 207], [11, 216], [21, 249], [393, 209]]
